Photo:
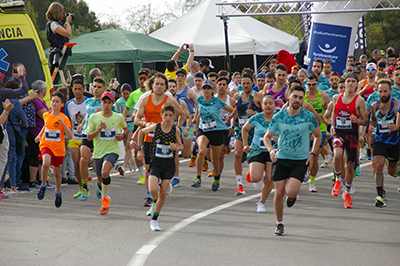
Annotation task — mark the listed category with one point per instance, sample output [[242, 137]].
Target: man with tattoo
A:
[[385, 123]]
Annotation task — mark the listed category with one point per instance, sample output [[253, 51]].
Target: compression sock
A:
[[85, 184], [348, 187], [141, 170], [155, 215], [338, 175], [217, 177], [312, 179], [379, 190]]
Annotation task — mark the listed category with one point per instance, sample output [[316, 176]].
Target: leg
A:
[[202, 143], [238, 157], [45, 168], [86, 153], [187, 148], [76, 154], [267, 187], [278, 199], [58, 177]]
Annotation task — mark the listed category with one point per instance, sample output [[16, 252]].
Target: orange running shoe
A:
[[205, 166], [192, 162], [228, 150], [347, 200], [336, 188], [212, 174], [105, 205]]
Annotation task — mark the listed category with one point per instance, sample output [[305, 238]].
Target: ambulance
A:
[[19, 42]]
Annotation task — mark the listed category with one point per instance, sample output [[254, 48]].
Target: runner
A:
[[349, 112], [385, 122], [278, 89], [102, 130], [166, 142], [211, 130], [257, 153], [293, 125], [52, 144]]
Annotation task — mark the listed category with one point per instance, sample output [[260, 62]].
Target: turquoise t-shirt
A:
[[331, 93], [120, 106], [209, 114], [91, 106], [260, 127], [374, 97], [294, 133], [395, 93]]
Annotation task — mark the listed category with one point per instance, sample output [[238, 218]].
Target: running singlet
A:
[[153, 114], [294, 133], [91, 108], [369, 91], [260, 127], [280, 94], [342, 115], [382, 133], [318, 107], [209, 112], [242, 108], [159, 147], [190, 105], [76, 112]]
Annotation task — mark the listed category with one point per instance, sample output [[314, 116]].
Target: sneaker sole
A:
[[121, 172], [103, 211]]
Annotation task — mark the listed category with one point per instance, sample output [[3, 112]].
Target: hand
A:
[[250, 112], [173, 146], [182, 48], [191, 47], [59, 118], [102, 125], [228, 118], [33, 95], [371, 128], [392, 127], [186, 132], [246, 149], [133, 144], [279, 100], [310, 161], [37, 139], [79, 128], [7, 105], [98, 110], [69, 19], [312, 137], [354, 119], [273, 155], [21, 71], [140, 155], [115, 84], [119, 137]]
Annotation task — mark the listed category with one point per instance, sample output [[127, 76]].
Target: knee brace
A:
[[107, 181]]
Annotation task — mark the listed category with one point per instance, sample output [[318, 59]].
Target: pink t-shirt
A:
[[39, 105]]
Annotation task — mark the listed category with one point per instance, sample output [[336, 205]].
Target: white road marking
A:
[[144, 252]]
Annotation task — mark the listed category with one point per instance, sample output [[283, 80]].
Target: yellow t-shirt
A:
[[172, 74]]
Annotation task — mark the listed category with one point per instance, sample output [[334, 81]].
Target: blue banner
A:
[[329, 42]]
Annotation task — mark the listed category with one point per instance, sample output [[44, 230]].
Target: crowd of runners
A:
[[279, 120]]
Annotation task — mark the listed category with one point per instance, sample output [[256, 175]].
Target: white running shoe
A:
[[312, 188], [170, 188], [154, 225], [261, 207], [150, 212], [306, 176]]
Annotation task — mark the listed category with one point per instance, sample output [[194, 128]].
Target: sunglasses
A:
[[370, 69], [356, 72], [312, 84], [334, 79], [143, 78]]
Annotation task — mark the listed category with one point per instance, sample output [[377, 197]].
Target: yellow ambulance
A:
[[19, 42]]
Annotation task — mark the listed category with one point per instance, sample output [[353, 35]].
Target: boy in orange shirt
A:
[[52, 144]]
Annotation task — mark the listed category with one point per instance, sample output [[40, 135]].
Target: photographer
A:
[[56, 34]]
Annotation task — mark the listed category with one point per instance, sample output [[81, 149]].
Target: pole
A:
[[227, 57]]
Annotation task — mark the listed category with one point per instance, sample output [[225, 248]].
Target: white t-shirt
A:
[[54, 25]]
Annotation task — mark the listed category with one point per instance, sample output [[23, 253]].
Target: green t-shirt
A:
[[133, 98], [105, 142]]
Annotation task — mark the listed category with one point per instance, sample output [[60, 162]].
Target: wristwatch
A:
[[139, 148]]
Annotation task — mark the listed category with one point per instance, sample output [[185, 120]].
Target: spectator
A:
[[172, 65], [7, 107], [193, 70]]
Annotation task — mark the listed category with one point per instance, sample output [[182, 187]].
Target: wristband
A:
[[192, 51], [311, 153], [139, 148], [124, 135], [6, 112]]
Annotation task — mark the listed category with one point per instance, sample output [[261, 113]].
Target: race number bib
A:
[[129, 119], [53, 135], [209, 125], [383, 126], [150, 134], [262, 144], [77, 135], [242, 120], [163, 151], [343, 122], [107, 134]]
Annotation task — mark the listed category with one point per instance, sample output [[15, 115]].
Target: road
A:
[[202, 227]]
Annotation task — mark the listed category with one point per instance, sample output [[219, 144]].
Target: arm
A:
[[245, 133], [317, 141], [140, 113], [267, 141], [141, 132], [190, 59], [67, 130], [178, 109], [31, 97], [7, 106], [21, 114], [178, 146], [41, 112], [372, 119], [90, 136], [327, 116], [65, 31], [15, 93], [362, 112], [309, 107], [178, 53], [126, 111], [39, 137]]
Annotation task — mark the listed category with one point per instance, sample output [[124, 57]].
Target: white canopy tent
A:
[[247, 36]]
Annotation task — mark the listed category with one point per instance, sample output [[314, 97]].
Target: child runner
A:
[[102, 129], [166, 142], [52, 144]]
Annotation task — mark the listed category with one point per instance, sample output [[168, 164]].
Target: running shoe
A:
[[192, 162], [40, 194], [22, 188], [148, 202], [150, 212], [212, 174], [398, 189], [228, 150], [397, 174], [142, 180], [324, 165], [85, 195], [261, 207], [239, 191], [154, 225], [121, 170], [215, 185], [347, 200], [336, 188], [170, 188], [358, 171], [4, 195], [79, 194], [306, 176], [196, 183], [380, 202], [248, 179], [383, 195], [34, 185], [72, 181], [312, 188], [205, 166], [176, 182], [105, 205], [279, 230], [13, 191], [290, 202], [98, 193], [50, 186], [58, 201]]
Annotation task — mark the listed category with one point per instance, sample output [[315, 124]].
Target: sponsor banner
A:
[[360, 44], [330, 42]]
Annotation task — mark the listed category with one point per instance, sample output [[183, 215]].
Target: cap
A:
[[351, 76], [261, 74], [199, 75], [108, 95], [295, 67], [388, 69], [371, 65], [206, 62], [206, 84], [181, 70], [334, 74], [2, 76], [143, 71]]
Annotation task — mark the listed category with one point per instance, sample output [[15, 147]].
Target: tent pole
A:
[[227, 57], [255, 63]]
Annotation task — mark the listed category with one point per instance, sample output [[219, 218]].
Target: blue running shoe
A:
[[85, 195], [196, 183], [98, 193], [40, 194], [215, 185], [175, 182]]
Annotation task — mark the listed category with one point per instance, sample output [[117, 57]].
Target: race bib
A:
[[262, 144], [242, 120], [209, 125], [163, 151], [150, 134], [129, 119], [77, 135], [53, 135], [343, 122], [383, 126], [107, 134]]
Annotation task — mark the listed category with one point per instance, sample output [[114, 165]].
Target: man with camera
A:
[[172, 65]]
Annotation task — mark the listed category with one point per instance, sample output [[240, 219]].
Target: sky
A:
[[117, 8]]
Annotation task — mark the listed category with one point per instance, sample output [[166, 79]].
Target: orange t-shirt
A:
[[153, 114], [53, 137]]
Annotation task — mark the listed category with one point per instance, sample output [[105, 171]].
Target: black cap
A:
[[199, 75], [206, 62], [143, 71], [181, 70]]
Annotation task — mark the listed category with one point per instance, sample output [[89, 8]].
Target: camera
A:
[[15, 70], [186, 46], [65, 15], [54, 56]]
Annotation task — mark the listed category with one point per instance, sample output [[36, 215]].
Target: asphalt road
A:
[[202, 227]]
